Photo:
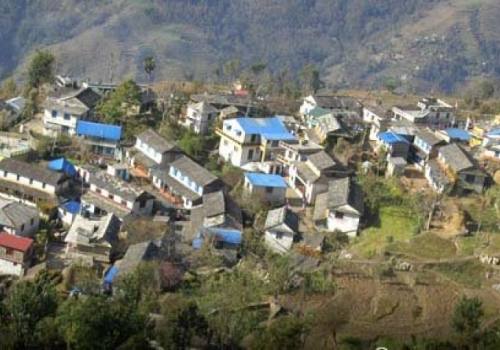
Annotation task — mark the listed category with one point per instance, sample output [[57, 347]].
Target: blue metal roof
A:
[[72, 207], [99, 130], [111, 274], [493, 132], [391, 138], [459, 134], [226, 235], [62, 165], [265, 180], [269, 128]]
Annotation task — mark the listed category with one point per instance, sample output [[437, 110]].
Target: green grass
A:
[[467, 273], [395, 226], [425, 246]]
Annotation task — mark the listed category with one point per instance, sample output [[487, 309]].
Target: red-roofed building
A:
[[15, 254]]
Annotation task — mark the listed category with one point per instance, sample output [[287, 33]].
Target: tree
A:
[[9, 88], [466, 320], [97, 323], [286, 333], [310, 79], [192, 144], [115, 107], [485, 89], [149, 66], [27, 304], [41, 69]]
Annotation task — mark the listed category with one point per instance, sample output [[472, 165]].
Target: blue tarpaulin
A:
[[110, 275], [72, 207], [458, 134], [99, 130], [390, 138], [62, 165], [265, 180], [227, 236]]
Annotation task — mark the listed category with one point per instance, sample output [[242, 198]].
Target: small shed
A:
[[396, 166]]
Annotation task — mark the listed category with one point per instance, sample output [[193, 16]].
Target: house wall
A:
[[238, 154], [276, 197], [348, 224], [307, 105], [26, 181], [185, 180], [148, 151], [116, 198], [279, 242], [53, 125], [66, 217], [27, 229], [11, 268], [146, 209]]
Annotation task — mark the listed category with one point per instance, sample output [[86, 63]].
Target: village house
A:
[[153, 151], [243, 104], [311, 176], [491, 144], [30, 182], [18, 219], [297, 151], [185, 182], [378, 119], [456, 167], [219, 237], [10, 111], [395, 166], [426, 145], [109, 193], [200, 117], [429, 111], [394, 144], [340, 208], [91, 240], [268, 188], [61, 112], [68, 211], [103, 139], [339, 105], [281, 228], [229, 113], [15, 254], [14, 146], [246, 140], [456, 135]]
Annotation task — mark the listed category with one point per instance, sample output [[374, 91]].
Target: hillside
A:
[[425, 43]]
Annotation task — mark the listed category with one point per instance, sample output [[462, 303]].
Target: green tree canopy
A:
[[41, 69], [116, 105], [466, 320]]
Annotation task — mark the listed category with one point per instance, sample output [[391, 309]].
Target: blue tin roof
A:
[[226, 235], [62, 165], [99, 130], [269, 128], [458, 134], [111, 274], [493, 132], [265, 180], [72, 207], [390, 137]]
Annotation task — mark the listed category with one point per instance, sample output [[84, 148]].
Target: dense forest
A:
[[422, 44]]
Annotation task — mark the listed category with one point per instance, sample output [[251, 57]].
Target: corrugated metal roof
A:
[[62, 165], [15, 242], [269, 128], [391, 138], [72, 207], [99, 130], [265, 180], [458, 134]]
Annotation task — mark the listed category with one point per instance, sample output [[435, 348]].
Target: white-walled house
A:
[[111, 194], [310, 177], [153, 151], [18, 219], [340, 208], [185, 182], [246, 140], [281, 227], [29, 181], [15, 254], [62, 112], [266, 187], [200, 117], [429, 111], [340, 105], [378, 119]]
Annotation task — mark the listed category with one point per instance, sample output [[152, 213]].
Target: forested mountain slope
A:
[[423, 43]]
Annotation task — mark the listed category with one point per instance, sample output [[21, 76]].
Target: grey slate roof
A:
[[115, 185], [214, 204], [321, 160], [344, 192], [336, 102], [204, 107], [14, 214], [282, 215], [158, 143], [305, 172], [137, 253], [456, 158], [31, 171], [195, 171], [428, 137]]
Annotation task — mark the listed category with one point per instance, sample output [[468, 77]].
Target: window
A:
[[67, 116], [269, 190], [22, 227], [97, 190], [228, 127], [469, 178], [31, 181], [253, 138], [235, 148], [43, 185], [54, 114], [279, 235], [18, 177], [225, 143], [250, 154], [110, 196], [275, 143], [238, 133], [32, 222], [142, 204], [9, 251], [5, 173], [339, 215]]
